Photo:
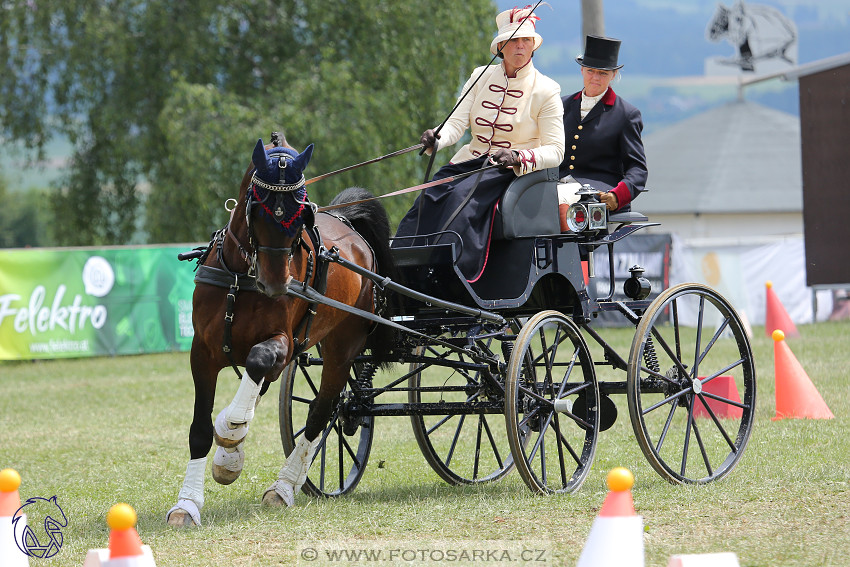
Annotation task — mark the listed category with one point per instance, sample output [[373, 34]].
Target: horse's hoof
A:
[[180, 518], [223, 476], [279, 494], [227, 464]]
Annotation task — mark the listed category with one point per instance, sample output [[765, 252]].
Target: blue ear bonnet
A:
[[278, 185], [280, 165]]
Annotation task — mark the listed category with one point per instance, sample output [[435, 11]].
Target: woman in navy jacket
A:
[[603, 134]]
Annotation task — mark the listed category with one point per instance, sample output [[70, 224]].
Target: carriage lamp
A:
[[637, 287], [588, 213], [597, 216], [577, 217]]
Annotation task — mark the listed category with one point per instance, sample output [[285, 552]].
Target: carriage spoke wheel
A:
[[552, 404], [461, 448], [347, 441], [691, 385]]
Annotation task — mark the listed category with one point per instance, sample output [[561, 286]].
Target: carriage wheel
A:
[[691, 385], [552, 404], [341, 458], [462, 449]]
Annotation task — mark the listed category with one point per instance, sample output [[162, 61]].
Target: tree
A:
[[164, 100], [23, 221]]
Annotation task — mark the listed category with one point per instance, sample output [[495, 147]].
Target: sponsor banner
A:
[[77, 302]]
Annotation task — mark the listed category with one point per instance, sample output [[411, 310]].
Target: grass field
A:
[[95, 432]]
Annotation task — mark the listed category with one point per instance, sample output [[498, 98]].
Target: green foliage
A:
[[164, 101], [23, 218]]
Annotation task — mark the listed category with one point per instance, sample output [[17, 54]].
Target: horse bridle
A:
[[251, 200]]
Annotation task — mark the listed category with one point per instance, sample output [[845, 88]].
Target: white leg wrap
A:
[[232, 459], [191, 496], [232, 422], [193, 482], [295, 468], [241, 409], [293, 474], [226, 430]]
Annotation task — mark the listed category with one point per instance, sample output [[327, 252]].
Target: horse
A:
[[757, 32], [273, 239]]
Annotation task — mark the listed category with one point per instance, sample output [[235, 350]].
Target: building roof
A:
[[739, 157], [818, 66]]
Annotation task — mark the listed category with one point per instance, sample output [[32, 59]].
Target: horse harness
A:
[[315, 274]]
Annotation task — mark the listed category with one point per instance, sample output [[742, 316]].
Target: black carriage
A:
[[498, 374]]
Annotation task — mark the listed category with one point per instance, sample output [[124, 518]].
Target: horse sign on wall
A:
[[765, 40]]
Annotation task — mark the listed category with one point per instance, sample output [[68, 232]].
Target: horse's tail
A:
[[371, 221]]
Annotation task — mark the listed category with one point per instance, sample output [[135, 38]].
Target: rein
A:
[[419, 187], [362, 163]]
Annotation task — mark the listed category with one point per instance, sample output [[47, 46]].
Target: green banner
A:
[[63, 303]]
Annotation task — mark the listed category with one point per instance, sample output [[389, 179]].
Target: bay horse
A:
[[265, 247]]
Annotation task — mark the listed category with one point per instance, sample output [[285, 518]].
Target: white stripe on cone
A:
[[10, 554], [100, 558], [614, 541], [705, 560]]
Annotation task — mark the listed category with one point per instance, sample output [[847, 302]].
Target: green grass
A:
[[95, 432]]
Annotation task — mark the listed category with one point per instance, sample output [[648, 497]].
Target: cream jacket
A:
[[524, 114]]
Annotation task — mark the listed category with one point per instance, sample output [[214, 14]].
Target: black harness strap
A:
[[321, 283], [226, 346]]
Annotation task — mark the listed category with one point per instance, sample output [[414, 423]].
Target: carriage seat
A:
[[526, 208]]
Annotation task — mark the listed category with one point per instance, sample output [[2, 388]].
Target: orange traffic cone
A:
[[125, 547], [616, 536], [776, 317], [723, 386], [796, 396], [10, 501]]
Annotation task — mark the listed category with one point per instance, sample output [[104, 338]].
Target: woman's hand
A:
[[610, 200], [428, 139], [505, 158]]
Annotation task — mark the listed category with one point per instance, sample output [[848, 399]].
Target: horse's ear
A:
[[259, 156], [304, 157]]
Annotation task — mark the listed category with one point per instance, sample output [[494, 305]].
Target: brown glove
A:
[[505, 158], [428, 138]]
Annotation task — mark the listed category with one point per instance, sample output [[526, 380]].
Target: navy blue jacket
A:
[[605, 149]]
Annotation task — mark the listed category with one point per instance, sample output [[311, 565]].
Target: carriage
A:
[[494, 374], [498, 373]]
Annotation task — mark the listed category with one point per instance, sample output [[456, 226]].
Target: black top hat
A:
[[600, 53]]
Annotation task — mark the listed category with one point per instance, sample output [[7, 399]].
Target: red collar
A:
[[608, 98]]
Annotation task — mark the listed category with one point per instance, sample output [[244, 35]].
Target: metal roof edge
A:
[[817, 66]]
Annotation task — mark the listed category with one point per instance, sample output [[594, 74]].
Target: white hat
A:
[[519, 20]]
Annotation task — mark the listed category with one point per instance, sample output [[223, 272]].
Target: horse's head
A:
[[719, 24], [276, 203]]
